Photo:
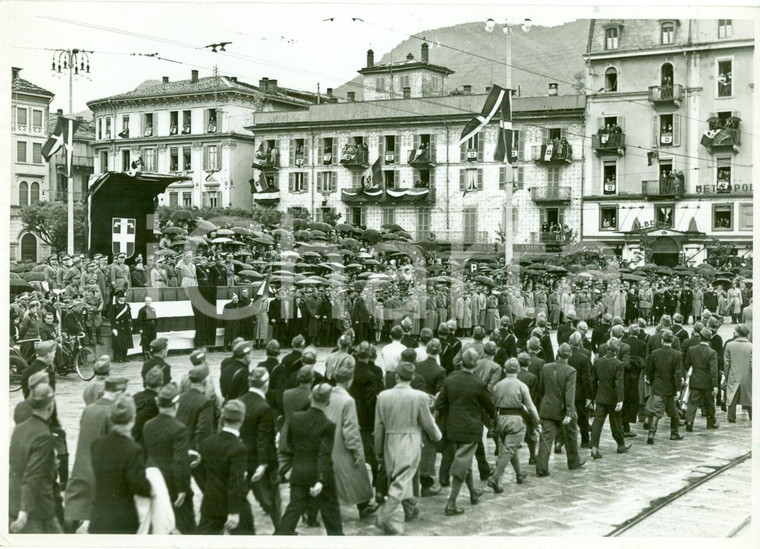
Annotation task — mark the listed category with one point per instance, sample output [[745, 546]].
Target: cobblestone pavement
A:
[[586, 502]]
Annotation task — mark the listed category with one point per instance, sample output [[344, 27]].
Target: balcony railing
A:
[[420, 158], [663, 95], [77, 161], [666, 187], [605, 142], [462, 237], [266, 160], [63, 196], [555, 152], [722, 135], [550, 194], [354, 156], [547, 237]]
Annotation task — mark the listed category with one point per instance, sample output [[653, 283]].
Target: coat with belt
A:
[[198, 412], [221, 475], [665, 372], [738, 362], [556, 391], [704, 364], [311, 438], [463, 401], [258, 432], [32, 472], [607, 380], [121, 321], [119, 468], [351, 481], [166, 441], [581, 361]]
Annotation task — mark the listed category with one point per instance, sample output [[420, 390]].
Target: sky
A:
[[302, 44]]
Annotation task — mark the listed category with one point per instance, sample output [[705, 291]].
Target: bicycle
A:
[[75, 353]]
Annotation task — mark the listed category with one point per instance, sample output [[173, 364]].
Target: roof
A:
[[414, 109], [406, 65], [20, 85], [204, 85], [85, 130]]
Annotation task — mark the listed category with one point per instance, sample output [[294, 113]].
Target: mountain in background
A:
[[556, 52]]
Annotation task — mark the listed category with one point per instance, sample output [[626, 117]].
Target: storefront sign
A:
[[723, 188], [529, 248]]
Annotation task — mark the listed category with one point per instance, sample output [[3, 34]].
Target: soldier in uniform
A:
[[118, 275], [121, 327], [147, 320]]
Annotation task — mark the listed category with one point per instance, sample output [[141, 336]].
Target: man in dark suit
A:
[[607, 386], [167, 441], [531, 428], [507, 338], [556, 395], [693, 340], [289, 365], [408, 339], [274, 396], [233, 381], [655, 340], [536, 363], [665, 374], [293, 400], [716, 343], [636, 389], [311, 437], [678, 330], [221, 477], [601, 333], [159, 349], [451, 347], [145, 402], [32, 473], [195, 409], [703, 382], [631, 373], [258, 434], [547, 349], [43, 361], [566, 328], [461, 405], [581, 361]]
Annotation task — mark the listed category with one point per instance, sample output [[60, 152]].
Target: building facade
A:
[[82, 161], [671, 143], [192, 127], [430, 184], [29, 177]]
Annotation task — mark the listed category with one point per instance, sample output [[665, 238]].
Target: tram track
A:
[[660, 505]]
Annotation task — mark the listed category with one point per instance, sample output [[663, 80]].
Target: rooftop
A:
[[85, 130], [19, 85]]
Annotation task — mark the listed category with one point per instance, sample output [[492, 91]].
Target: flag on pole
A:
[[372, 180], [263, 291], [503, 150], [493, 104], [62, 138], [261, 185]]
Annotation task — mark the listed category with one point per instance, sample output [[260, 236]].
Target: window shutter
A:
[[320, 150], [431, 179], [463, 152], [461, 179], [502, 177], [520, 145], [519, 177], [656, 130], [480, 179], [432, 147], [562, 133], [205, 158], [319, 182], [599, 123], [535, 152], [291, 182], [676, 130], [480, 147], [544, 135], [335, 150], [306, 182], [621, 122], [356, 180], [381, 148], [306, 151], [292, 153], [397, 149]]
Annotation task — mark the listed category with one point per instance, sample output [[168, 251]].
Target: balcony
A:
[[354, 156], [267, 197], [609, 143], [555, 152], [420, 159], [664, 188], [358, 196], [550, 194], [267, 160], [77, 161], [462, 237], [63, 196], [550, 239], [723, 135], [661, 96]]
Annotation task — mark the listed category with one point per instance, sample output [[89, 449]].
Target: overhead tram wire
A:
[[358, 85]]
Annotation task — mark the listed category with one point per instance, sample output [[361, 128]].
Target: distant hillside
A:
[[553, 51]]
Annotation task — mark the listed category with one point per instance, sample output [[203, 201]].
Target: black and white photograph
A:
[[388, 269]]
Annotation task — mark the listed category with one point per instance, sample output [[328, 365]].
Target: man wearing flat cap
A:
[[159, 349], [196, 409], [32, 472], [43, 361], [703, 381], [311, 436], [166, 441], [146, 402], [233, 380], [97, 385], [221, 477]]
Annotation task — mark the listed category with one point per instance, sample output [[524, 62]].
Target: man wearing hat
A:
[[311, 438], [566, 328], [664, 373], [601, 333], [118, 274], [121, 327], [94, 424], [147, 321], [293, 400], [43, 361], [159, 349], [478, 335], [233, 380], [403, 415], [258, 433], [32, 472], [221, 477], [146, 402], [703, 382], [97, 385], [338, 356], [166, 441], [118, 466], [196, 409]]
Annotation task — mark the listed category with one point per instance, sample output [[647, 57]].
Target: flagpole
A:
[[508, 229]]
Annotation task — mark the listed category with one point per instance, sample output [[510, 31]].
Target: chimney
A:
[[466, 89], [351, 96], [193, 75], [264, 85], [370, 58], [233, 78], [488, 89], [15, 71], [273, 86], [553, 88], [329, 92], [407, 92], [425, 52], [165, 79]]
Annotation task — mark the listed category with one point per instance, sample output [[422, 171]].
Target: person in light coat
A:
[[402, 414], [738, 367]]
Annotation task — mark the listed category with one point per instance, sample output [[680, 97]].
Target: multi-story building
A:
[[29, 177], [430, 184], [671, 137], [194, 127], [82, 161]]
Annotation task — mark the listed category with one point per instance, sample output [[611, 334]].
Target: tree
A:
[[49, 221]]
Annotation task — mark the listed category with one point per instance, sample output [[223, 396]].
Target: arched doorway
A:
[[29, 248], [666, 75], [665, 251]]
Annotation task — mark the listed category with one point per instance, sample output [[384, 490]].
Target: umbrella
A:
[[365, 275], [282, 233], [318, 279], [290, 253], [300, 224], [180, 242], [390, 236], [15, 276], [372, 235], [435, 267], [321, 226], [241, 264], [485, 280], [221, 240], [283, 273], [664, 271], [172, 230], [310, 254], [303, 235], [225, 232], [39, 268], [721, 281], [353, 266], [251, 273], [309, 281], [575, 268], [392, 227], [556, 269], [262, 240], [648, 267], [585, 275], [20, 286], [539, 266], [682, 268], [625, 270], [197, 240], [316, 233], [379, 276], [724, 274], [525, 261], [182, 214], [633, 277], [344, 227], [166, 251], [204, 225], [31, 276], [371, 262], [350, 242], [513, 268]]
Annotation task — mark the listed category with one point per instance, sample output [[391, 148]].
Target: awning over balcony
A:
[[387, 196]]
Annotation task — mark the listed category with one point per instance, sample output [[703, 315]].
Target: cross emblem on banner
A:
[[123, 235]]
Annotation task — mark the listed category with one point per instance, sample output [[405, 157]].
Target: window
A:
[[745, 217], [34, 193], [552, 175], [518, 177], [174, 199], [187, 117], [21, 151], [666, 130], [389, 148], [174, 159], [389, 177], [667, 33], [187, 159], [21, 118], [608, 219], [380, 85], [471, 180], [327, 150], [173, 122], [211, 124], [725, 87], [723, 217], [423, 224], [36, 153], [422, 179], [611, 79], [149, 160], [29, 247], [327, 182], [148, 124], [611, 38], [298, 182], [356, 217], [125, 160], [103, 161], [211, 199], [211, 158], [403, 82], [125, 126], [187, 199], [99, 128], [663, 215], [108, 127], [37, 120], [517, 144], [298, 152], [23, 193], [725, 29], [610, 177], [388, 216], [470, 225], [723, 175]]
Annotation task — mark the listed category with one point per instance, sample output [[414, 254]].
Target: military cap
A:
[[122, 410], [405, 371], [45, 347], [241, 349], [197, 357], [198, 373], [306, 373], [168, 395], [116, 384], [40, 395], [122, 255], [102, 365], [159, 343], [233, 410]]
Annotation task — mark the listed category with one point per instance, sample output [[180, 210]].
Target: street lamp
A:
[[77, 63], [525, 25]]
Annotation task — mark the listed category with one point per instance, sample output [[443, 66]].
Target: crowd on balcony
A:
[[560, 150], [354, 153], [554, 232], [610, 135]]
